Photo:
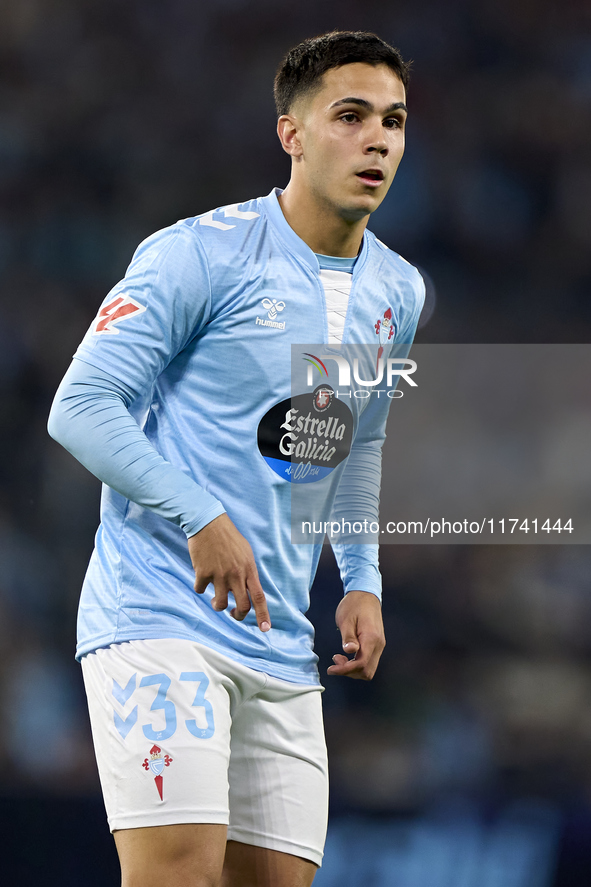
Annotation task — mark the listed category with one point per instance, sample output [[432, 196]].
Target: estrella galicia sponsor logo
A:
[[305, 437]]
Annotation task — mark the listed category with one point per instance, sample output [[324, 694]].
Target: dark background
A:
[[118, 118]]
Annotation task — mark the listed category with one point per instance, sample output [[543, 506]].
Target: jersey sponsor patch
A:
[[114, 312], [305, 437]]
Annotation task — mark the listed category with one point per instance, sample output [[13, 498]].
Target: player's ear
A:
[[288, 129]]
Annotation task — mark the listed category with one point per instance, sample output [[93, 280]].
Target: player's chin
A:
[[369, 200], [360, 208]]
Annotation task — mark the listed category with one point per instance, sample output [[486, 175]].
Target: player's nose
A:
[[376, 140]]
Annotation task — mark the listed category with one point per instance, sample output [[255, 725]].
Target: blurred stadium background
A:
[[467, 762]]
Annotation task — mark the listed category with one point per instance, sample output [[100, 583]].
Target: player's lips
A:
[[372, 177]]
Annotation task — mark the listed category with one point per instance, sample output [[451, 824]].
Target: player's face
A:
[[352, 137]]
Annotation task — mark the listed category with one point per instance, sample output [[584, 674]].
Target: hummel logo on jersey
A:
[[272, 307], [116, 311]]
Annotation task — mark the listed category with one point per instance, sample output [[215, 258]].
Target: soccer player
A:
[[197, 657]]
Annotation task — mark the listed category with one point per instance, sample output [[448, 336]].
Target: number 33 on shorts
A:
[[122, 694], [154, 726]]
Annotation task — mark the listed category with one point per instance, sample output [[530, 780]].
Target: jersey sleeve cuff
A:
[[371, 585], [193, 526]]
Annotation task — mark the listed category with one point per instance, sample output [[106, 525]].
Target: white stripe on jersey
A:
[[337, 286]]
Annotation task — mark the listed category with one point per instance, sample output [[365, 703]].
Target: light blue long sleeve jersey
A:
[[180, 400]]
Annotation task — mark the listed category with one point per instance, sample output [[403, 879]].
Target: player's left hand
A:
[[359, 619]]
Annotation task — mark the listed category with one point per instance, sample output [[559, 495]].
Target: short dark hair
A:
[[302, 68]]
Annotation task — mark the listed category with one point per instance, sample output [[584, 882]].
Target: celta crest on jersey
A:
[[113, 312], [385, 329]]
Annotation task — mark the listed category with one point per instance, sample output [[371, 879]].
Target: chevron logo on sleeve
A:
[[114, 312]]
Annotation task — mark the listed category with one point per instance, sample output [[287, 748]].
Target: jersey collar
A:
[[295, 243]]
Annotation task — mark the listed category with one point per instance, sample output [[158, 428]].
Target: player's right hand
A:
[[221, 555]]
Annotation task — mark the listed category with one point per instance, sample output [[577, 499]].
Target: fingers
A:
[[351, 668], [201, 584], [240, 613], [243, 606], [219, 601], [259, 602], [350, 645], [245, 598], [365, 661]]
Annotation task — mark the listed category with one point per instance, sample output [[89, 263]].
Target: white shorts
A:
[[183, 734]]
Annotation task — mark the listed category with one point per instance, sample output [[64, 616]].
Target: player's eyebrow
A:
[[352, 100]]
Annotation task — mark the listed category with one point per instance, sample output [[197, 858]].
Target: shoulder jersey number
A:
[[230, 212]]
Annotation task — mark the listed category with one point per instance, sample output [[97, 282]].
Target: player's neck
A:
[[325, 232]]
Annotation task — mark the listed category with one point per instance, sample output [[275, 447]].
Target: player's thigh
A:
[[184, 855], [278, 772], [249, 866], [160, 717]]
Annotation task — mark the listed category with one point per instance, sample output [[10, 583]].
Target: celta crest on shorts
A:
[[156, 765]]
